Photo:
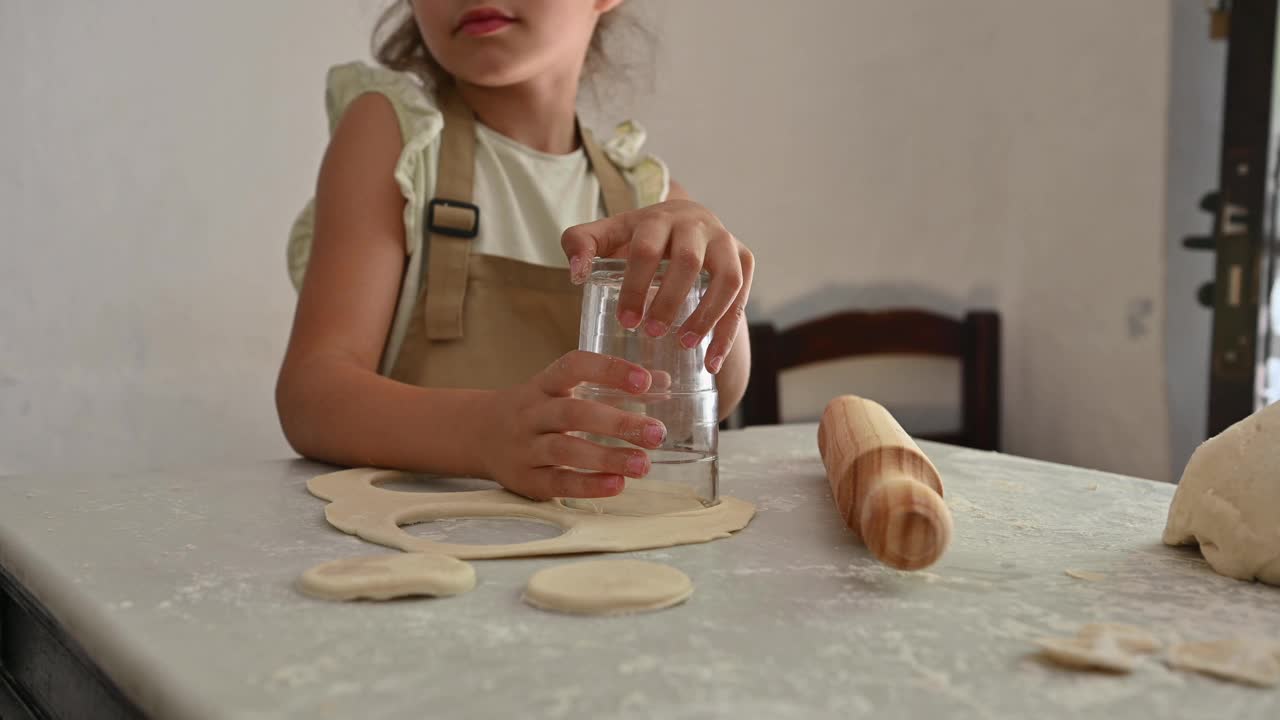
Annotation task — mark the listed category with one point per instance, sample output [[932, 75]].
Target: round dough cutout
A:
[[382, 577], [608, 587]]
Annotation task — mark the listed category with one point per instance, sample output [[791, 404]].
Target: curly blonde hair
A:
[[398, 44]]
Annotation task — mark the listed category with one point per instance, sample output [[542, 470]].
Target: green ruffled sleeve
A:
[[648, 175], [420, 124]]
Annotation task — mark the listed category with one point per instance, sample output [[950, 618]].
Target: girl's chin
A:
[[493, 78], [496, 66]]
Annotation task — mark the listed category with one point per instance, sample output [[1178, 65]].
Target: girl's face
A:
[[496, 43]]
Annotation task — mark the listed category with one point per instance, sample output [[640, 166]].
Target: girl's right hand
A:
[[531, 451]]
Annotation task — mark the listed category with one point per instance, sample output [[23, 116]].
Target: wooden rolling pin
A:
[[888, 492]]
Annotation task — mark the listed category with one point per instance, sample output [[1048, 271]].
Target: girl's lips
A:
[[483, 21]]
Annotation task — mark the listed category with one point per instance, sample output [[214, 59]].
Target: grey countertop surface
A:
[[180, 585]]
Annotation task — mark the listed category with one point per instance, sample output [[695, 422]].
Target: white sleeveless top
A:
[[527, 199]]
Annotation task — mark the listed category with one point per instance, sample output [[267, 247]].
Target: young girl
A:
[[458, 205]]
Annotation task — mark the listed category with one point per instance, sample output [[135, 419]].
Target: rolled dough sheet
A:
[[382, 577], [359, 507], [608, 587]]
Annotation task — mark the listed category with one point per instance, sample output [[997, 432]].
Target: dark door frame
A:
[[1239, 207]]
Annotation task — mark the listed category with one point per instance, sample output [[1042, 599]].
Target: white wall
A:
[[945, 155], [993, 152], [152, 156]]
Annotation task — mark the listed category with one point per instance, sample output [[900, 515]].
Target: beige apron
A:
[[487, 322]]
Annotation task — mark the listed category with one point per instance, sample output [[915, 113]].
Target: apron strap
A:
[[617, 192], [452, 220]]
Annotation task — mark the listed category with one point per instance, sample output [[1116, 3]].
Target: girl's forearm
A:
[[340, 413]]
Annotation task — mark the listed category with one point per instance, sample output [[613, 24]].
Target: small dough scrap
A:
[[1086, 575], [1228, 500], [608, 587], [382, 577], [1100, 646], [1252, 662], [1130, 638], [1086, 654]]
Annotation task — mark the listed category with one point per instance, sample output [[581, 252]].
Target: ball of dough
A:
[[1229, 498], [608, 587], [382, 577]]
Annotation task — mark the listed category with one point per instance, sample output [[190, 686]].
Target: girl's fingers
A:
[[596, 417], [685, 257], [725, 266], [559, 449], [726, 332], [648, 245], [661, 381], [727, 329], [553, 482], [579, 366], [601, 238]]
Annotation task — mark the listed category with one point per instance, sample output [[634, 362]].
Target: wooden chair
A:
[[975, 340]]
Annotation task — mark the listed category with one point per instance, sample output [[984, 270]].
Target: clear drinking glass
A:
[[684, 472]]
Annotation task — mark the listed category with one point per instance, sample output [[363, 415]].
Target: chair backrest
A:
[[975, 340]]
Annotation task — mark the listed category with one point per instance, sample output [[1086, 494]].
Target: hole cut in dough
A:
[[608, 587], [1253, 662], [483, 530], [382, 577]]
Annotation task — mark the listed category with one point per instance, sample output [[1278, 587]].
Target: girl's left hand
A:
[[693, 239]]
